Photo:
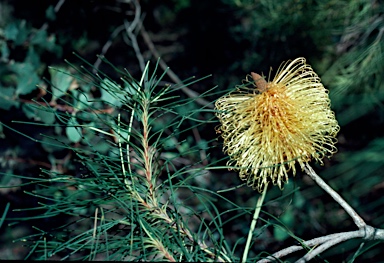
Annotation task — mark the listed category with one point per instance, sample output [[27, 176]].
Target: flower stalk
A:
[[253, 223]]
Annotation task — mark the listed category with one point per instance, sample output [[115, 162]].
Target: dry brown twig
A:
[[130, 28], [106, 46], [190, 93], [56, 10]]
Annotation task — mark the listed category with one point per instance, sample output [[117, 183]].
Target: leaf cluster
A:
[[126, 203]]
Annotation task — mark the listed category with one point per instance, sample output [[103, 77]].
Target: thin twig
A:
[[310, 243], [106, 46], [190, 93], [56, 9], [326, 242], [323, 243], [367, 233], [359, 222], [45, 26], [129, 28], [330, 243]]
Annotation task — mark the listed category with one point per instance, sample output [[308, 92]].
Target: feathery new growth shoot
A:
[[267, 129]]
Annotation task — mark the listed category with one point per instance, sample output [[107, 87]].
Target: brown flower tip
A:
[[260, 82], [290, 121]]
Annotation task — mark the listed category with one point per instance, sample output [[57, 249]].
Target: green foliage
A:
[[92, 202], [131, 193], [21, 77]]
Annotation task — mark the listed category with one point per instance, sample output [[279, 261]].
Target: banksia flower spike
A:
[[270, 127]]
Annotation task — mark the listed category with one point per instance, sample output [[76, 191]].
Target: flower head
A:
[[270, 127]]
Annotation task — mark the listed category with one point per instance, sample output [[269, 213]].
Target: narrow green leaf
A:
[[111, 93], [4, 214]]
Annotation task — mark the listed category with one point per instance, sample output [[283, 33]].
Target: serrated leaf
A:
[[280, 234], [111, 93], [184, 147], [6, 179], [58, 129], [11, 31], [50, 13], [4, 51], [51, 46], [27, 77], [73, 133], [27, 84], [22, 34], [37, 114], [39, 38], [29, 111], [82, 101], [202, 144], [298, 200], [85, 116], [6, 98], [86, 87], [50, 145], [16, 32], [114, 152], [186, 110], [170, 143], [102, 146], [46, 116], [61, 81], [32, 57], [131, 88], [287, 219]]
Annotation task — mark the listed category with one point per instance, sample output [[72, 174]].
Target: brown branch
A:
[[332, 242], [359, 222], [56, 9], [129, 28], [106, 46]]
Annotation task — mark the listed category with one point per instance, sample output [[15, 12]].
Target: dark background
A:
[[341, 40]]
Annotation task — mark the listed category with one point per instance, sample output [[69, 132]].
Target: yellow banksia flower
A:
[[271, 126]]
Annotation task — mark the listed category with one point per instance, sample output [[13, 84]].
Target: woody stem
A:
[[359, 222]]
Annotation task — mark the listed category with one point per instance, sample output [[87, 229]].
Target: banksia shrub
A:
[[273, 125]]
